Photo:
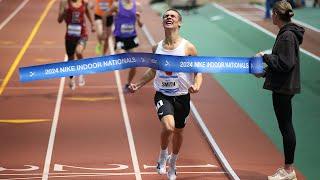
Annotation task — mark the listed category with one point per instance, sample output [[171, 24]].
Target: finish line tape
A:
[[189, 64]]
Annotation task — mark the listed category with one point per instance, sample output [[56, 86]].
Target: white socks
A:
[[173, 159], [163, 154]]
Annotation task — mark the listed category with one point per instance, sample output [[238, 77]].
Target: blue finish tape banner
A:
[[204, 64]]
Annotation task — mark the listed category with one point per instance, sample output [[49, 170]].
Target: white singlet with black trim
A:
[[172, 83]]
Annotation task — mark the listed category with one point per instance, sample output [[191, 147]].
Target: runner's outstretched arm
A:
[[147, 77]]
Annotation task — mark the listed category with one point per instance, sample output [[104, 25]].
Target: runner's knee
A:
[[99, 28], [168, 123], [168, 128]]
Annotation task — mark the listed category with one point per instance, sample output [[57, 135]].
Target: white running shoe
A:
[[161, 165], [126, 89], [282, 174], [172, 173], [72, 83], [81, 82]]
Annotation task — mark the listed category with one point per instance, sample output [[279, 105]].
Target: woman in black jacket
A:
[[282, 77]]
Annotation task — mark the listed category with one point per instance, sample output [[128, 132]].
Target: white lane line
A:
[[125, 115], [7, 20], [185, 166], [251, 13], [203, 127], [259, 27], [237, 5], [148, 35], [293, 20], [54, 125], [213, 143], [110, 173], [73, 175]]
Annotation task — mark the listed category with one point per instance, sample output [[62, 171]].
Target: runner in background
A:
[[73, 12], [127, 13], [103, 24]]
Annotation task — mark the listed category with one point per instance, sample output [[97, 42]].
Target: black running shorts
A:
[[178, 106], [126, 43], [109, 19], [71, 45]]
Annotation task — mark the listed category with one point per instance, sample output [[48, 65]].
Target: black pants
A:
[[283, 110]]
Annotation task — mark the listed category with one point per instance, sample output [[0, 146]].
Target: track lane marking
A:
[[260, 28], [185, 166], [90, 99], [125, 115], [293, 20], [25, 47], [23, 121], [11, 16], [53, 130], [73, 175]]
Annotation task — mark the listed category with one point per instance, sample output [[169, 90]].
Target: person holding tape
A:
[[127, 14], [282, 77], [73, 13], [172, 97]]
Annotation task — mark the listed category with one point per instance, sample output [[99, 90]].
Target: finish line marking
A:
[[91, 99], [186, 166]]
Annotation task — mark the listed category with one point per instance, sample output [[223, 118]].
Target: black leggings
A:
[[283, 110]]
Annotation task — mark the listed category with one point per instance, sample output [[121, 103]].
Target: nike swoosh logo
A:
[[160, 114]]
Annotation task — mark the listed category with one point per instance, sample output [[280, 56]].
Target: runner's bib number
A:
[[104, 6], [74, 30], [169, 82], [127, 28]]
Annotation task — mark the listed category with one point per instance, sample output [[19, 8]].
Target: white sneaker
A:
[[72, 83], [161, 165], [172, 173], [282, 174], [81, 82], [126, 89]]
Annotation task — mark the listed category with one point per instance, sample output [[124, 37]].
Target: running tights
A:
[[283, 110]]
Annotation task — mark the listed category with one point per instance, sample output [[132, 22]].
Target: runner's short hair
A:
[[175, 10]]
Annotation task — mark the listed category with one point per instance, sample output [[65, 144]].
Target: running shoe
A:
[[172, 173], [72, 83], [282, 174], [81, 82], [99, 49], [161, 165], [126, 89]]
